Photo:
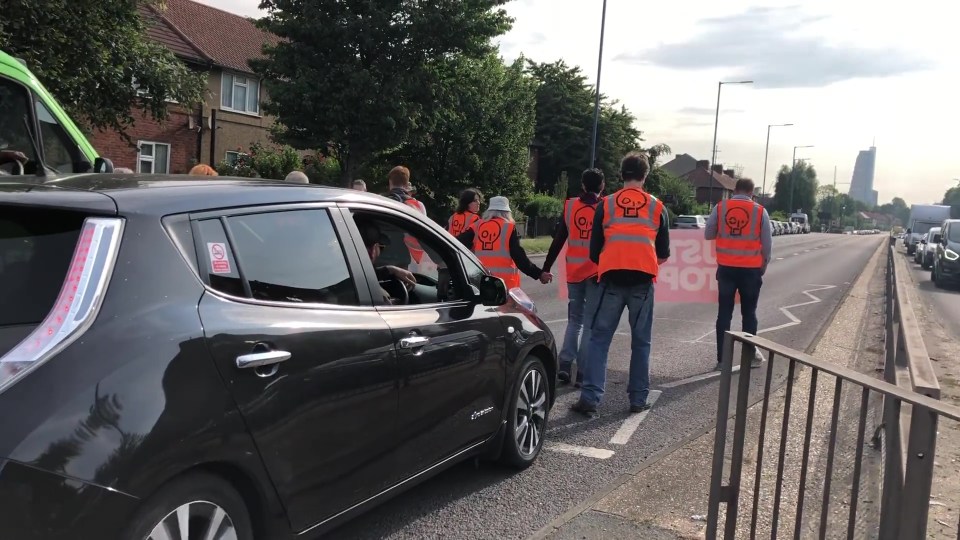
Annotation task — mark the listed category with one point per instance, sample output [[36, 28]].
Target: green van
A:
[[37, 137]]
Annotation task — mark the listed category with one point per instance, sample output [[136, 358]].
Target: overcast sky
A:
[[845, 73]]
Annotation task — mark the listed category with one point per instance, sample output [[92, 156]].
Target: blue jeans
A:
[[580, 299], [730, 280], [638, 299]]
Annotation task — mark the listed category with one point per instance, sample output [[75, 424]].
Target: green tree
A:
[[359, 77], [477, 134], [91, 53], [952, 198], [802, 179], [677, 194], [565, 112]]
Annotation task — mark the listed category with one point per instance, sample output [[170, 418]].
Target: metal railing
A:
[[910, 415]]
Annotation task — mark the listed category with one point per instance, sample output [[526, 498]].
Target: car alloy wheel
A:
[[197, 519], [531, 413]]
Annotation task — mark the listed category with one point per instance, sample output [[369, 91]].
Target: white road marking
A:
[[555, 321], [795, 254], [779, 258], [630, 425], [697, 378], [584, 451], [794, 320]]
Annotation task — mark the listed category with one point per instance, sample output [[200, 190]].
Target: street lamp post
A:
[[793, 171], [716, 121], [596, 106], [766, 153]]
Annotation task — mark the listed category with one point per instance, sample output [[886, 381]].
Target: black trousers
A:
[[730, 281]]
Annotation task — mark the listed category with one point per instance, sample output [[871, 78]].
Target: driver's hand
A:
[[405, 276], [12, 155]]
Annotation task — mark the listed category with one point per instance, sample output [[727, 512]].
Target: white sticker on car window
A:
[[219, 261]]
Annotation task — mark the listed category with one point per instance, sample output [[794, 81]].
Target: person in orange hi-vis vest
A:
[[629, 241], [468, 212], [573, 231], [495, 242], [400, 190], [744, 240]]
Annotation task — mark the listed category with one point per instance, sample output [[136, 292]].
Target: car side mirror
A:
[[493, 291], [103, 165]]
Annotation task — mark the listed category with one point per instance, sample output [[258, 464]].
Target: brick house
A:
[[218, 44], [700, 178]]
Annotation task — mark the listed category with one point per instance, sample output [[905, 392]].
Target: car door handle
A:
[[414, 342], [267, 358]]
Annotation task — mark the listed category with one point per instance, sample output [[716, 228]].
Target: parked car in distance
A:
[[188, 357], [946, 261], [690, 222]]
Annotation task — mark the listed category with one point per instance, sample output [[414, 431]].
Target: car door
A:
[[450, 348], [309, 362]]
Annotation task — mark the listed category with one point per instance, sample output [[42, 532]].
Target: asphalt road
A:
[[942, 305], [493, 502]]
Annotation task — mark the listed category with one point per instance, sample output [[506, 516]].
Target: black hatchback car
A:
[[231, 359]]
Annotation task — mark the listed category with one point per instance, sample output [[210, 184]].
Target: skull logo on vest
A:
[[489, 233], [458, 222], [583, 221], [631, 203], [736, 219]]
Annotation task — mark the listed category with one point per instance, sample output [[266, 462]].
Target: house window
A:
[[153, 158], [232, 158], [240, 93]]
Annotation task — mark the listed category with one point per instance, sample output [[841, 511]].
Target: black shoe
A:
[[584, 408], [564, 377], [639, 408], [579, 382]]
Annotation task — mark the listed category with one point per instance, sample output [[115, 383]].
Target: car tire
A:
[[527, 417], [205, 498]]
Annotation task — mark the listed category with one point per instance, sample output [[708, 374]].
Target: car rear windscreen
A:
[[36, 246], [683, 219]]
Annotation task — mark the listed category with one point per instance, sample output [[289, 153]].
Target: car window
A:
[[686, 219], [404, 244], [59, 150], [289, 256]]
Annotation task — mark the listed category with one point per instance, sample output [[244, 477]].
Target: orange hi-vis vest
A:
[[462, 222], [631, 219], [738, 234], [491, 244], [578, 216], [416, 251]]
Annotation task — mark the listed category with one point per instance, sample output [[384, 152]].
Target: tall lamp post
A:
[[716, 121], [596, 106], [766, 153], [793, 171]]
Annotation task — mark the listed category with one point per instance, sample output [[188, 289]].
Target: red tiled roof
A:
[[228, 40], [162, 32]]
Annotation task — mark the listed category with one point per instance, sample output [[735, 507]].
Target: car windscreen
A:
[[36, 246], [953, 235], [920, 228]]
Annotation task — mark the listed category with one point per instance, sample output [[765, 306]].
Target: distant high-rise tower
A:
[[861, 185]]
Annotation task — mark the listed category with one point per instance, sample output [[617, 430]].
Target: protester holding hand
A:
[[495, 241]]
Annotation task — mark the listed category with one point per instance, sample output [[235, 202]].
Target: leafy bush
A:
[[263, 162], [325, 171], [543, 206]]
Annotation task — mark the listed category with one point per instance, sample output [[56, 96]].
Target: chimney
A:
[[717, 168], [729, 172], [703, 164]]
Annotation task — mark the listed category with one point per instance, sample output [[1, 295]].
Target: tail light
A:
[[77, 304]]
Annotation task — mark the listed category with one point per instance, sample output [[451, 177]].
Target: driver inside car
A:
[[375, 241]]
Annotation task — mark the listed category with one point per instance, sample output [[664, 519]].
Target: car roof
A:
[[174, 194]]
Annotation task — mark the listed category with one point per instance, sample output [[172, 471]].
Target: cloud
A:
[[700, 111], [765, 45], [692, 122]]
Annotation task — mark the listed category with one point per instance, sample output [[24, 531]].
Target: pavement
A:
[[803, 286], [938, 312]]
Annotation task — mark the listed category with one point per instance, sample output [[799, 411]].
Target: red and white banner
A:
[[689, 276]]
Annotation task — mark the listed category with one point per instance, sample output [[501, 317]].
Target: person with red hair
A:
[[203, 169]]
